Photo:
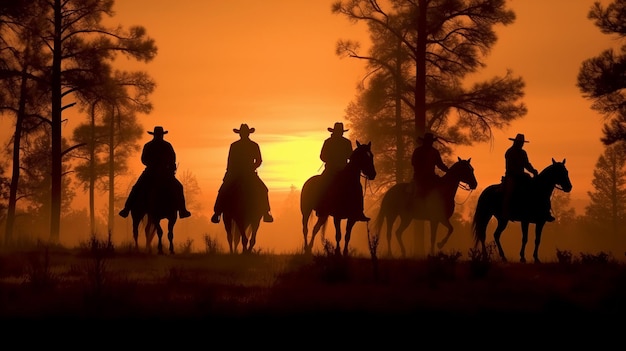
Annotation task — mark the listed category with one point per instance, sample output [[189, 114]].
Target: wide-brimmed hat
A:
[[244, 129], [428, 138], [338, 128], [519, 138], [158, 130]]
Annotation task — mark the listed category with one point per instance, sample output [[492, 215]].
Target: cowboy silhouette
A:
[[515, 178], [244, 157], [159, 158], [335, 153], [424, 160]]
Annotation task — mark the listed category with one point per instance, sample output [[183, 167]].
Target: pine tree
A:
[[607, 208], [601, 78]]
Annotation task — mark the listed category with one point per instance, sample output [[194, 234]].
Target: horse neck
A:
[[450, 183], [352, 171], [543, 184]]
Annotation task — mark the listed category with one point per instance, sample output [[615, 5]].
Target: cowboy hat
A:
[[338, 128], [428, 138], [158, 130], [244, 129], [519, 138]]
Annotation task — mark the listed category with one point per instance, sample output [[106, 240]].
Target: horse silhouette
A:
[[334, 199], [533, 209], [243, 210], [437, 207], [156, 202]]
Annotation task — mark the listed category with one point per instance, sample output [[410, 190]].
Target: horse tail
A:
[[481, 217]]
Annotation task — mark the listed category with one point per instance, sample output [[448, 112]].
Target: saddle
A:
[[519, 196], [417, 193], [337, 196]]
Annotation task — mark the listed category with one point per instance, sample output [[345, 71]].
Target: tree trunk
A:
[[92, 170], [111, 220], [420, 99], [56, 127], [15, 172]]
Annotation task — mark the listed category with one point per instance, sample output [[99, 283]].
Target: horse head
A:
[[557, 175], [463, 172], [363, 159]]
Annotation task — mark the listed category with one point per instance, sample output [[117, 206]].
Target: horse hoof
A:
[[522, 260]]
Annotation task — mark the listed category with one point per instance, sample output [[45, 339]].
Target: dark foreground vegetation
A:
[[100, 282]]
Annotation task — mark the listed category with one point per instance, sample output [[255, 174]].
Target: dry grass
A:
[[97, 281]]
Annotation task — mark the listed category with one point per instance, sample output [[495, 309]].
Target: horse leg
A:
[[136, 234], [159, 231], [404, 223], [443, 242], [337, 222], [237, 238], [305, 231], [346, 238], [316, 228], [245, 245], [149, 236], [389, 228], [229, 234], [538, 230], [502, 223], [522, 251], [252, 242], [170, 235], [433, 235]]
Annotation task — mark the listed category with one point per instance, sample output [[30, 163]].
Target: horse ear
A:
[[469, 160], [358, 144], [553, 161], [459, 158], [369, 144], [563, 161]]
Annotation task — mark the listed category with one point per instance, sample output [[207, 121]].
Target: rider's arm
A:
[[144, 155], [528, 166], [257, 158], [324, 152], [442, 166]]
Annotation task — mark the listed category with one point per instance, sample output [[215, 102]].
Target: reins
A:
[[467, 188]]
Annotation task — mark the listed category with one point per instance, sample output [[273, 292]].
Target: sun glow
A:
[[290, 160]]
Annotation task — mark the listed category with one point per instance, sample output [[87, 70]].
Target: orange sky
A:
[[272, 64]]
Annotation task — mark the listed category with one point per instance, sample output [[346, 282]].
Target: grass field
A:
[[99, 282]]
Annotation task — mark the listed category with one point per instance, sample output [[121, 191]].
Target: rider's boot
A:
[[124, 212], [549, 217], [184, 213], [130, 200], [268, 218], [215, 218]]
